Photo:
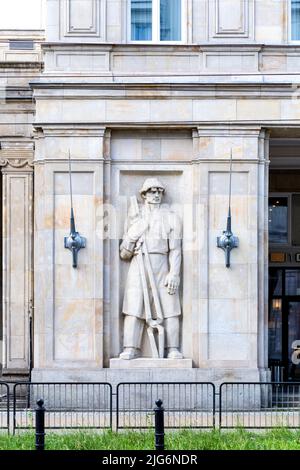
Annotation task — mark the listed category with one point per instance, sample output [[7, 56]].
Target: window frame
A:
[[156, 25], [290, 40]]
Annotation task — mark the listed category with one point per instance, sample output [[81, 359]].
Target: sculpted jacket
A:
[[162, 232]]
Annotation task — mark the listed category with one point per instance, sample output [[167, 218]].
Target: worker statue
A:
[[152, 243]]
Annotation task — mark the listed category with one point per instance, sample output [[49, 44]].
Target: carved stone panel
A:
[[75, 294], [231, 19], [82, 18], [17, 266]]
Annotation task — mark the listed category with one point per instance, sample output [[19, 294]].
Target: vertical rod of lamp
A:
[[228, 241], [74, 242]]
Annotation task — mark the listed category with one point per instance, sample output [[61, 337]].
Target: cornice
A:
[[21, 65], [194, 47], [74, 90], [42, 130], [234, 129], [49, 82], [258, 123]]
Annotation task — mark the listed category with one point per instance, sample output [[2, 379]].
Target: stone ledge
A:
[[151, 363]]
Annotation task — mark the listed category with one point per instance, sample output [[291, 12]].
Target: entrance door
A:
[[284, 321], [292, 337]]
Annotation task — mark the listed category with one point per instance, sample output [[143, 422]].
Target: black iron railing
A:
[[259, 405], [4, 406], [186, 404], [251, 405], [68, 405]]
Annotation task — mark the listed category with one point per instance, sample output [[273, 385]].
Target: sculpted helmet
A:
[[151, 183]]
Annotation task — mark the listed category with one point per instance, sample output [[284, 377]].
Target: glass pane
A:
[[141, 20], [275, 330], [278, 220], [170, 20], [295, 20], [275, 282], [292, 282], [296, 219]]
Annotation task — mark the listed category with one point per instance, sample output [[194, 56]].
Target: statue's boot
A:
[[129, 353], [174, 353]]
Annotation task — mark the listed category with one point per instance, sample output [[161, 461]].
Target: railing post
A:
[[40, 425], [159, 426]]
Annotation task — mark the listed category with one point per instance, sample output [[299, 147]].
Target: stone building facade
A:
[[126, 106]]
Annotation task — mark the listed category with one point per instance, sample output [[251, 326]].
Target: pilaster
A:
[[230, 303], [69, 301], [17, 229]]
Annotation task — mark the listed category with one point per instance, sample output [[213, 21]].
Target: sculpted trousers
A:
[[133, 331]]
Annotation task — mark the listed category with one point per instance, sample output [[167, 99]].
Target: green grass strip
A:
[[278, 439]]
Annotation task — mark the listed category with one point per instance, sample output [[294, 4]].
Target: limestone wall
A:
[[224, 309], [206, 63], [92, 37], [214, 93], [21, 46], [87, 21], [176, 105]]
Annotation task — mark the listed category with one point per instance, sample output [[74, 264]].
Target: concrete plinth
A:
[[115, 376]]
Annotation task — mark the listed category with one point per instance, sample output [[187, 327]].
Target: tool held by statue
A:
[[145, 267]]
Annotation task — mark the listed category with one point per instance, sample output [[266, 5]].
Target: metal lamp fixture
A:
[[74, 242], [228, 241]]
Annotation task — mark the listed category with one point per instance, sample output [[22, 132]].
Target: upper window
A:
[[278, 220], [156, 20], [295, 20], [284, 219]]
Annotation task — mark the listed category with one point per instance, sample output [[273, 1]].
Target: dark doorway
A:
[[284, 321]]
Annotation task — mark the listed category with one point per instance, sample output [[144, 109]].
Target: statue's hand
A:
[[172, 283], [125, 254], [137, 229]]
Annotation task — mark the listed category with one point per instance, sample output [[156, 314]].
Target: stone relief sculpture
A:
[[152, 244]]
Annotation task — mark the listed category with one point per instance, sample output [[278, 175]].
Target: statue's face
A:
[[154, 195]]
